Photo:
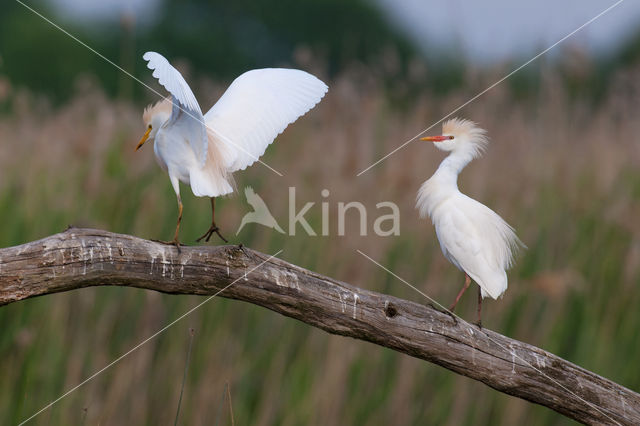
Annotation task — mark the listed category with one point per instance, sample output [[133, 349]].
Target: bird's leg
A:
[[479, 323], [213, 228], [467, 281], [175, 236], [175, 241]]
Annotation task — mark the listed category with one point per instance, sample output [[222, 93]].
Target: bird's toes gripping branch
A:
[[207, 235]]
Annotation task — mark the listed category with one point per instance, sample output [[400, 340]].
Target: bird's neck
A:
[[450, 168], [443, 184]]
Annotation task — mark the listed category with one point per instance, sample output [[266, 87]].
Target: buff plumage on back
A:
[[214, 178]]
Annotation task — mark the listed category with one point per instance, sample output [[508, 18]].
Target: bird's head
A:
[[154, 117], [460, 135]]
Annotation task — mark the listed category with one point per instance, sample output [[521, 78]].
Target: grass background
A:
[[563, 171]]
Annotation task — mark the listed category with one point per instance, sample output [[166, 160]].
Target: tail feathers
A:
[[493, 285], [205, 185]]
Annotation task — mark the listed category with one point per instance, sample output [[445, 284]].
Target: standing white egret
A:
[[203, 150], [471, 235]]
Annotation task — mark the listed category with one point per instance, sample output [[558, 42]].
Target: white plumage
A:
[[256, 108], [186, 112], [472, 236], [203, 150]]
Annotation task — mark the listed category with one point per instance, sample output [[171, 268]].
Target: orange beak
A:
[[144, 138], [436, 138]]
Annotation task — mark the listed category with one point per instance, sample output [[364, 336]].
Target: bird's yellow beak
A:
[[144, 138], [436, 138]]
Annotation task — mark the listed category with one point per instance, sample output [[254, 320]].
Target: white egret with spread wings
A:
[[204, 150], [472, 236]]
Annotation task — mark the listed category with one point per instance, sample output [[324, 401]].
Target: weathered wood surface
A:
[[80, 258]]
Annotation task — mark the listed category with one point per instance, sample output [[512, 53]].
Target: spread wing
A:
[[186, 112], [256, 108]]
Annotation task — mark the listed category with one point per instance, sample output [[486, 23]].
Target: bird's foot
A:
[[453, 317], [478, 323], [441, 308], [207, 235], [244, 250]]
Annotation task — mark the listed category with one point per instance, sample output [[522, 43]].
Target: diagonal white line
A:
[[599, 409], [144, 84], [407, 283], [493, 85], [102, 370]]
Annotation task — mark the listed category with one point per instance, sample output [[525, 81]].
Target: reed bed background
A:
[[562, 170]]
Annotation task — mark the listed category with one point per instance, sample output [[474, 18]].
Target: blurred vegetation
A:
[[565, 176], [221, 39], [563, 169]]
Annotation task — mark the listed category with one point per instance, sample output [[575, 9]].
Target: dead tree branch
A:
[[80, 258]]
